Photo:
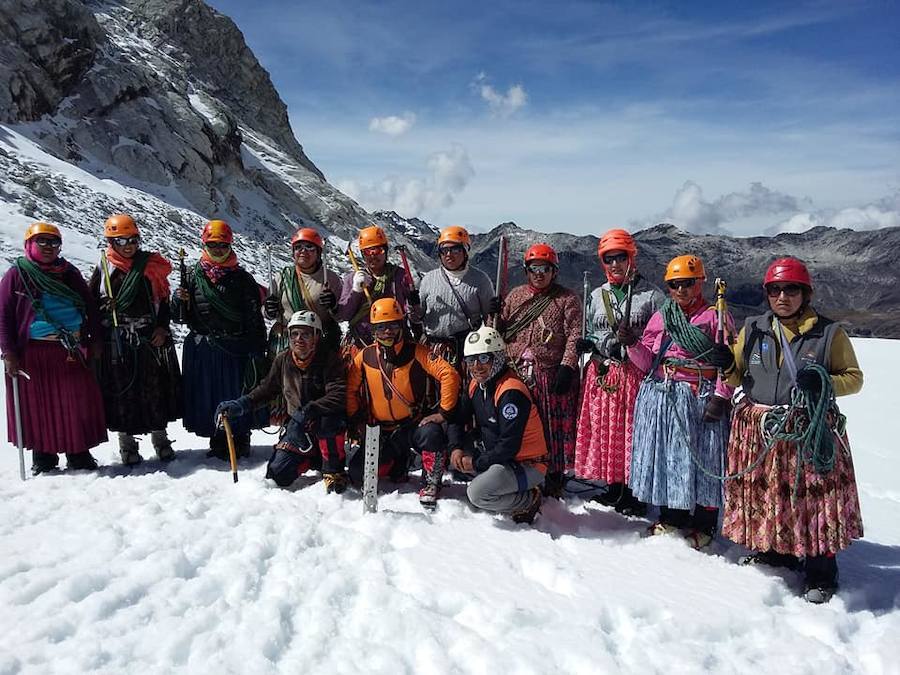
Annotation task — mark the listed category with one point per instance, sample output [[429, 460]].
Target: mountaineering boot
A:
[[42, 462], [241, 445], [162, 445], [128, 449], [629, 505], [335, 482], [81, 461], [553, 484], [528, 514], [659, 527], [821, 578], [218, 446], [612, 496], [702, 526], [428, 496], [772, 559], [433, 463]]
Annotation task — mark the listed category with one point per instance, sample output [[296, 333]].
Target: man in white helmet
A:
[[314, 385], [498, 435]]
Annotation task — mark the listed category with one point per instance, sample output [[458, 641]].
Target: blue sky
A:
[[580, 116]]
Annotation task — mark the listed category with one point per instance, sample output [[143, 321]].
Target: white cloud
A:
[[883, 213], [393, 125], [501, 105], [690, 211], [447, 174]]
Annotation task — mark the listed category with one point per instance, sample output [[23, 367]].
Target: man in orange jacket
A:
[[387, 384]]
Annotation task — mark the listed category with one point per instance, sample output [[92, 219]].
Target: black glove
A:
[[306, 415], [808, 380], [413, 298], [295, 438], [272, 306], [617, 351], [720, 356], [327, 299], [716, 408], [584, 346], [495, 304], [565, 376], [625, 335], [233, 409]]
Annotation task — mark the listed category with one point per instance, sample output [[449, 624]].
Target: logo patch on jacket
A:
[[510, 411]]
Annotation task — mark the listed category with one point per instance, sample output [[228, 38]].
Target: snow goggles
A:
[[612, 258], [450, 250], [790, 290], [125, 241], [386, 326], [217, 245], [480, 358], [305, 247], [675, 284], [48, 242], [539, 268], [374, 250]]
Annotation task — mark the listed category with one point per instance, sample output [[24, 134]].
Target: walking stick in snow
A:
[[355, 264], [116, 350], [17, 412], [232, 455], [402, 251]]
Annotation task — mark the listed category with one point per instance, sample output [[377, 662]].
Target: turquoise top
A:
[[63, 313]]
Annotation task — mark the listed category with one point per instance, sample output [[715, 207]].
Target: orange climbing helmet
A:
[[370, 237], [218, 231], [454, 234], [385, 310], [120, 225], [541, 253], [41, 228], [616, 240], [685, 267], [308, 234]]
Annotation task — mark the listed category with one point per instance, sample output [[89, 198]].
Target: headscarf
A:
[[216, 269], [156, 271], [56, 268]]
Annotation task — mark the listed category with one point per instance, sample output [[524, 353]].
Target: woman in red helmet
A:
[[541, 322], [48, 326], [611, 381], [139, 373], [224, 350], [681, 412], [791, 507]]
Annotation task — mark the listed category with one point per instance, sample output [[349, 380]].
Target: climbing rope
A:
[[683, 332]]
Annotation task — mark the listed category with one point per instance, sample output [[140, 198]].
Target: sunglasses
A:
[[451, 250], [305, 335], [125, 241], [615, 258], [374, 250], [790, 290], [675, 284], [483, 359], [305, 247], [541, 268], [217, 246], [48, 243], [386, 327]]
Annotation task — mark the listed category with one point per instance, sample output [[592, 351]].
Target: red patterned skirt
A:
[[764, 512], [606, 422], [558, 414]]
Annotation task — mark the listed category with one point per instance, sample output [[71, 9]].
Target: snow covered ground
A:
[[176, 569]]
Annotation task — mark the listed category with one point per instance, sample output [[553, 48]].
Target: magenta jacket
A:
[[16, 312], [643, 352]]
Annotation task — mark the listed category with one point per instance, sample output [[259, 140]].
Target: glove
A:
[[271, 307], [716, 408], [413, 297], [233, 409], [625, 335], [720, 356], [306, 415], [617, 351], [808, 380], [11, 363], [584, 346], [295, 438], [565, 376], [361, 280], [327, 299], [495, 304]]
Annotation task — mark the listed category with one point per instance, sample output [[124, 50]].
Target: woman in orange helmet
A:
[[48, 328], [541, 322], [139, 373], [611, 381], [224, 352], [681, 415]]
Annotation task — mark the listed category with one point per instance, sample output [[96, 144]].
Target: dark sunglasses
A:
[[540, 268], [675, 284], [790, 290], [217, 246], [125, 241], [375, 250], [615, 258], [480, 358], [48, 243], [387, 326], [306, 247], [450, 250]]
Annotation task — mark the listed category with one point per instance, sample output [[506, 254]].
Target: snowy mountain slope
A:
[[175, 569]]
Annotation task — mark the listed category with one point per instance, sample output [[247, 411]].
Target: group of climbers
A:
[[453, 376]]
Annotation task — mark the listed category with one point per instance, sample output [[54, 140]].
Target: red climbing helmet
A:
[[543, 253], [788, 271]]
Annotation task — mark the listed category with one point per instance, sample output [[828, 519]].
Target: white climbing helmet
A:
[[305, 318], [485, 340]]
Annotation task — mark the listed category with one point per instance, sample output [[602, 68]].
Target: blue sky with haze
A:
[[579, 116]]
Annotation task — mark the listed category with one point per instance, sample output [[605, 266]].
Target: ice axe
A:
[[401, 249], [355, 264], [116, 350], [232, 455], [17, 412]]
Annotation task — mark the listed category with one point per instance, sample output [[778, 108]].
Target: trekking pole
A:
[[586, 288], [402, 251], [356, 269], [232, 455], [116, 349], [17, 412], [501, 270]]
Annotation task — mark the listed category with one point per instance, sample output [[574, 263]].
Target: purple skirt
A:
[[62, 409]]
